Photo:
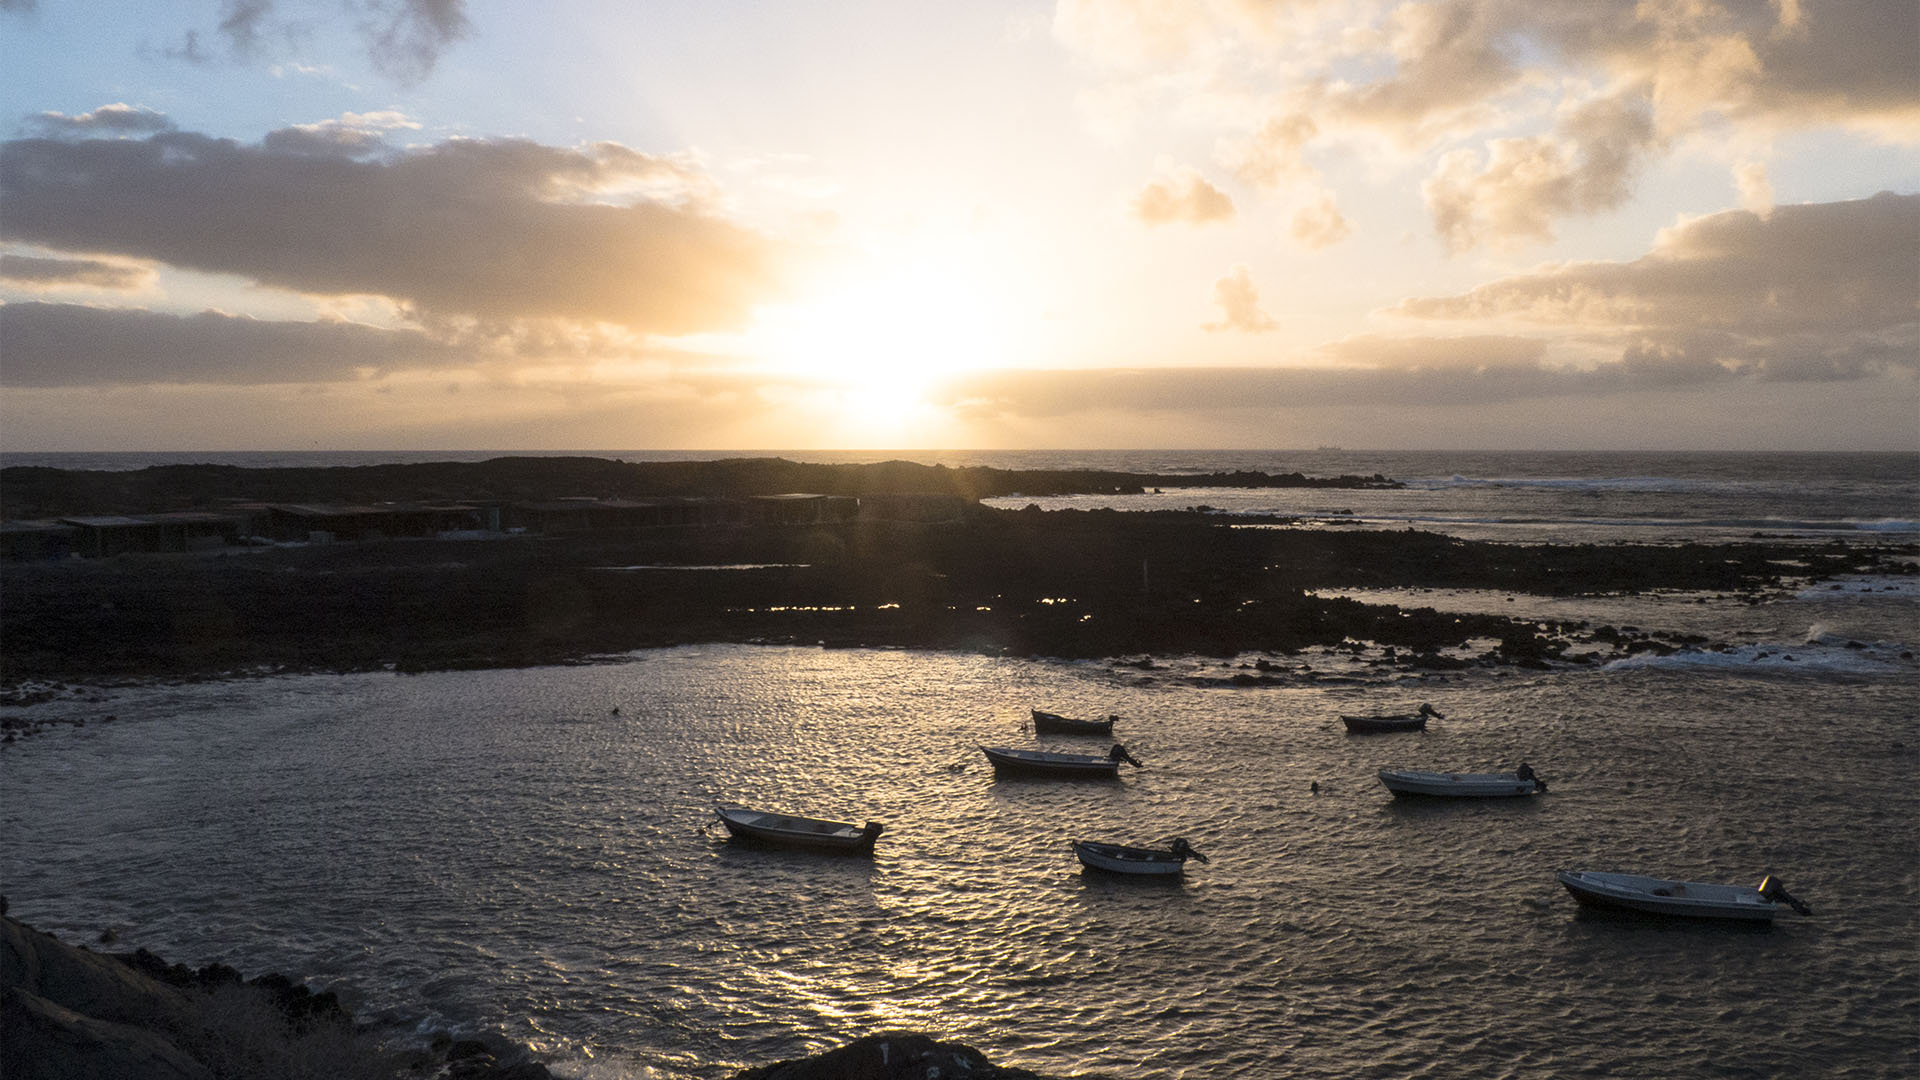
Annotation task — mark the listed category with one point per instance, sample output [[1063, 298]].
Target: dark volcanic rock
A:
[[1080, 584], [890, 1056]]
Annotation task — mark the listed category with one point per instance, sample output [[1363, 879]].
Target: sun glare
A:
[[889, 336]]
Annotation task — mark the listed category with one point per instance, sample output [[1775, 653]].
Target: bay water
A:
[[502, 850]]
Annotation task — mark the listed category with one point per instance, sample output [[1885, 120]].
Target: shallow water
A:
[[500, 850]]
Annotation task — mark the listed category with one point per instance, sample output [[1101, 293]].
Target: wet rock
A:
[[890, 1056]]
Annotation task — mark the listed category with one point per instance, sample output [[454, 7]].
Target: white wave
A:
[[1863, 587], [1826, 654]]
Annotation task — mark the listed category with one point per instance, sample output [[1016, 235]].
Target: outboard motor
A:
[[1180, 847], [1428, 710], [1119, 753], [1771, 889], [1525, 772]]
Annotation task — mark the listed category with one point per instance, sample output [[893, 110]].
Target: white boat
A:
[[1007, 759], [1121, 859], [1462, 785], [1690, 899], [791, 830]]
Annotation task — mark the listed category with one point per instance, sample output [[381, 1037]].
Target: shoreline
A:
[[68, 1011], [1067, 584]]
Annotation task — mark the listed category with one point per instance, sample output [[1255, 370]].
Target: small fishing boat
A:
[[1374, 725], [1120, 859], [1045, 763], [1523, 781], [791, 830], [1689, 899], [1046, 723]]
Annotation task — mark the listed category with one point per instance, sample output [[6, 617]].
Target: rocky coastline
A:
[[1078, 584], [70, 1013], [1133, 588]]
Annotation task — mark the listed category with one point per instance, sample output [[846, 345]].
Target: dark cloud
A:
[[1822, 290], [49, 345], [35, 272], [241, 21], [487, 229], [1505, 375], [406, 37]]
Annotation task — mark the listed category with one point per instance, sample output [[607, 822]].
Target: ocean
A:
[[501, 850]]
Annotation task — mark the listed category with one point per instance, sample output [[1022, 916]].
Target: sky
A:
[[711, 224]]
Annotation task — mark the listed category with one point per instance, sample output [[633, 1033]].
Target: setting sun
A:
[[900, 328]]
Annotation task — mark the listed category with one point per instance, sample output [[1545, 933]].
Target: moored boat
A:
[[1046, 723], [1374, 725], [1121, 859], [1687, 899], [792, 830], [1007, 759], [1523, 781]]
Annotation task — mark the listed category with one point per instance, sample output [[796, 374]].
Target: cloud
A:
[[116, 119], [406, 37], [1814, 291], [488, 229], [1526, 183], [1320, 224], [1239, 300], [1186, 197], [241, 22], [1620, 81], [1756, 190], [50, 345], [1274, 155], [35, 273], [1501, 372]]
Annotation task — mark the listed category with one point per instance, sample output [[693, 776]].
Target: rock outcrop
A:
[[896, 1055]]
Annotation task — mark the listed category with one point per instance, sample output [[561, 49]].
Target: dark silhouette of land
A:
[[37, 492], [1059, 583]]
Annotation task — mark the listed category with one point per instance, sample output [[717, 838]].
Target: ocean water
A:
[[500, 850]]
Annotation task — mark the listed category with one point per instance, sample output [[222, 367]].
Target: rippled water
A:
[[501, 850]]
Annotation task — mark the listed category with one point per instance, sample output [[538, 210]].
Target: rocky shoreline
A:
[[1078, 584], [70, 1013]]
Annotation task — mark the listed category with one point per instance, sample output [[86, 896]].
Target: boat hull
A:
[[1678, 899], [1379, 725], [1456, 785], [1046, 723], [1132, 861], [1036, 763], [791, 831]]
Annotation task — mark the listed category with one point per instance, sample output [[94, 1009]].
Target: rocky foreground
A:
[[68, 1013]]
